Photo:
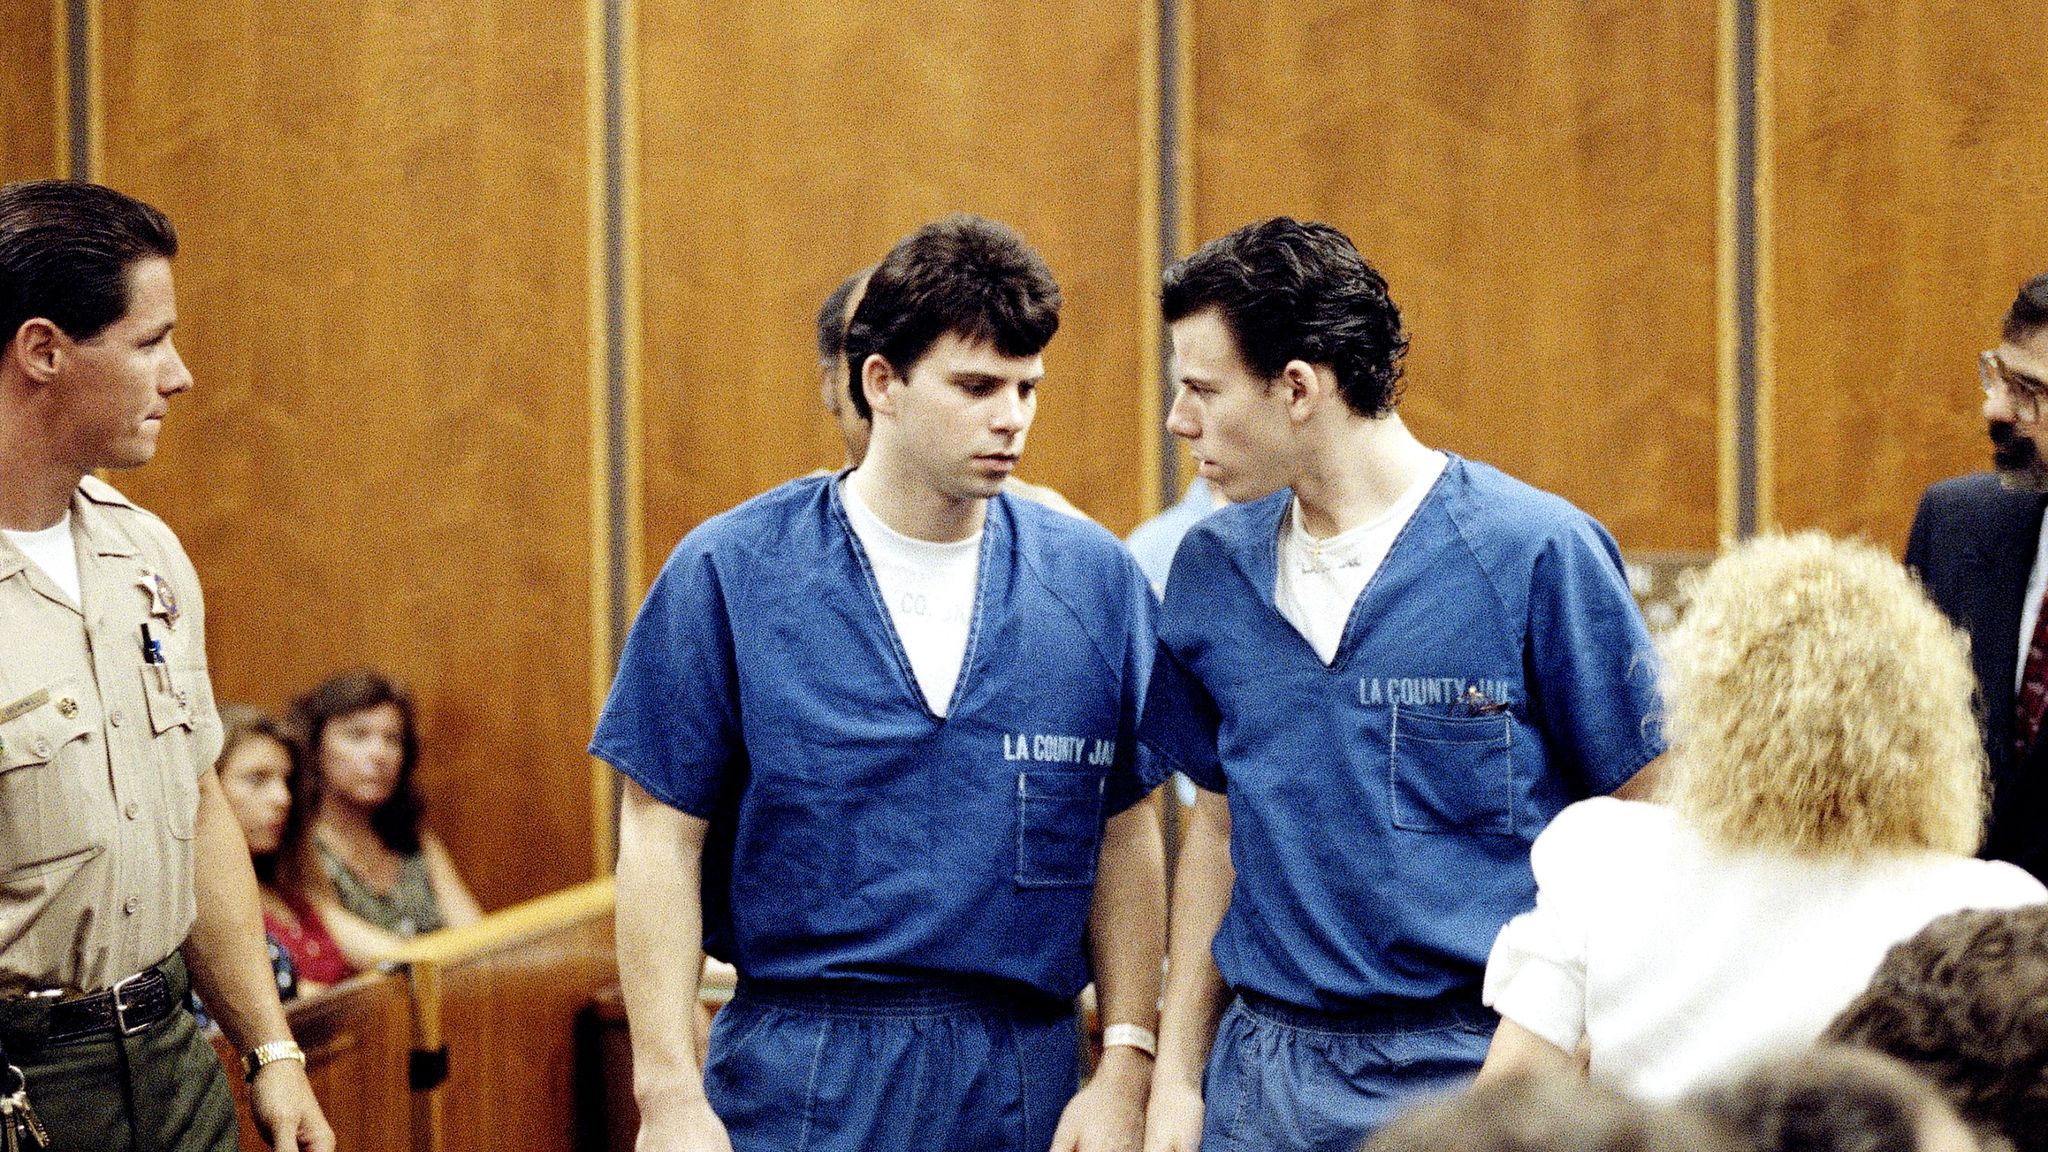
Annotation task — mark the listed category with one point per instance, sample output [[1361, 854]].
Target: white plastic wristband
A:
[[1131, 1036]]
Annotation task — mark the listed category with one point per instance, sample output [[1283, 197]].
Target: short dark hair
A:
[[832, 316], [65, 250], [1828, 1099], [2029, 311], [239, 723], [399, 819], [1290, 290], [967, 275], [1554, 1113], [1965, 1003]]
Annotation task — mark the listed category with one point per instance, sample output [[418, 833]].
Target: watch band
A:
[[254, 1060], [1131, 1036]]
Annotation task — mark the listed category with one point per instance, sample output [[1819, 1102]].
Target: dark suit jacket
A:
[[1973, 543]]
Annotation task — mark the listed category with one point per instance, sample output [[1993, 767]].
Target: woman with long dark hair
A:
[[378, 868]]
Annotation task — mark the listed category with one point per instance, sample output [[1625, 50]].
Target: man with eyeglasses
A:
[[1978, 545]]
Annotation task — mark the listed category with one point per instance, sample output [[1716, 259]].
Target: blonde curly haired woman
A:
[[1824, 798]]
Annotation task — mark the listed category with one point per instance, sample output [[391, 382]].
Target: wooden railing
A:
[[464, 1040], [500, 998]]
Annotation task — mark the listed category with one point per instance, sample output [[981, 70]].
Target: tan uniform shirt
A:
[[100, 753]]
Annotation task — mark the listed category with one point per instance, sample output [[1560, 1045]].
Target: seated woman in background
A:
[[262, 776], [381, 875], [1826, 793]]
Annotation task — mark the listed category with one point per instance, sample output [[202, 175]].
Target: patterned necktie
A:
[[2033, 696]]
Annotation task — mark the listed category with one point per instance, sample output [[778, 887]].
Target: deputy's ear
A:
[[876, 375], [37, 349]]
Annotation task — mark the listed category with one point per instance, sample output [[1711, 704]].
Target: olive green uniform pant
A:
[[162, 1090]]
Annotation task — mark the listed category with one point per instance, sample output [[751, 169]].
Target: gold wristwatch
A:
[[255, 1058]]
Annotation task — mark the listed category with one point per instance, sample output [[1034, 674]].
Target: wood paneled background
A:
[[28, 90], [1909, 202], [1537, 183], [384, 292], [857, 123], [394, 285]]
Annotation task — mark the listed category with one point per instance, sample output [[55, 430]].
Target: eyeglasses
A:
[[2023, 394]]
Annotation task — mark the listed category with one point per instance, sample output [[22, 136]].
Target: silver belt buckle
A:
[[121, 1009]]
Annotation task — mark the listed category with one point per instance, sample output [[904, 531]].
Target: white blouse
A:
[[1679, 961]]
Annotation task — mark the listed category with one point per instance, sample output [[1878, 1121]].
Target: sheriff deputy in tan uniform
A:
[[116, 844]]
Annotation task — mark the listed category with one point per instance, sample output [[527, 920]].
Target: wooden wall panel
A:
[[384, 297], [28, 97], [1537, 182], [1909, 200], [786, 146]]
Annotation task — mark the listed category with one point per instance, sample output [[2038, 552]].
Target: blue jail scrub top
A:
[[854, 834], [1382, 808]]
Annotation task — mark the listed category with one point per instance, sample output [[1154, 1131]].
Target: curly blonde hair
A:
[[1818, 703]]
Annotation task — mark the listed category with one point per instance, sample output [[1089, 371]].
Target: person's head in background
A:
[[363, 741], [1965, 1003], [944, 349], [1835, 1099], [263, 777], [2014, 377], [833, 316], [1561, 1113], [1283, 335], [1819, 704]]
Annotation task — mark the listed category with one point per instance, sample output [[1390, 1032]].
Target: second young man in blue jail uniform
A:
[[888, 719], [1387, 671]]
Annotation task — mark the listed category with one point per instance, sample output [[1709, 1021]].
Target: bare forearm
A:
[[229, 961], [660, 944], [1195, 994], [1644, 784], [362, 943], [1127, 927], [1516, 1050]]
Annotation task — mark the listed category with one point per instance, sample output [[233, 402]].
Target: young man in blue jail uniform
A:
[[1387, 668], [879, 738]]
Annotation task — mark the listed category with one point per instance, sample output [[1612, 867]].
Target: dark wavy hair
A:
[[1554, 1113], [1828, 1099], [1290, 290], [832, 318], [65, 250], [240, 722], [399, 819], [1965, 1003], [964, 274], [2029, 311]]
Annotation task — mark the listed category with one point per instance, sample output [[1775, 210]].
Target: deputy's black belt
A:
[[128, 1007]]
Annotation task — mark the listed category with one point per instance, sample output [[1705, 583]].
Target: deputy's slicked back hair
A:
[[65, 250]]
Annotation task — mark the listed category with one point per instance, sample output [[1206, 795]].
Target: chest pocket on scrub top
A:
[[41, 810], [1059, 828], [170, 727], [1451, 773]]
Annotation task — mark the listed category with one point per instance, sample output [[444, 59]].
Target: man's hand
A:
[[1109, 1114], [1174, 1121], [282, 1100], [686, 1126]]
